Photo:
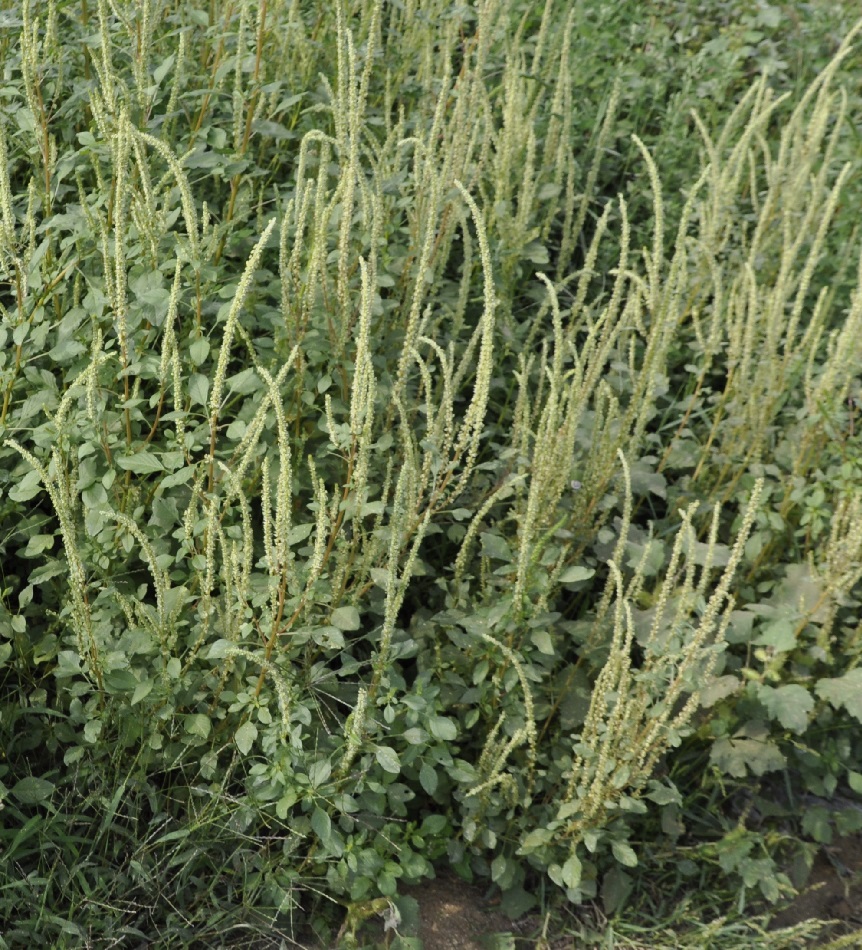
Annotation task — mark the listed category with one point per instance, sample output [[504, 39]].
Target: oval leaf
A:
[[624, 853], [388, 759], [345, 618], [428, 778], [31, 790], [321, 823], [197, 724], [245, 736], [576, 573], [442, 728], [571, 872], [141, 464]]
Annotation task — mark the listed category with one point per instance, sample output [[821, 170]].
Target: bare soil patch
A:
[[833, 891], [454, 915]]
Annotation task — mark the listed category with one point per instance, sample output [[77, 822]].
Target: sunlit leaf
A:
[[245, 737]]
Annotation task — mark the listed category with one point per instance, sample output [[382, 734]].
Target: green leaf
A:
[[299, 533], [463, 772], [536, 253], [624, 853], [120, 681], [549, 190], [790, 705], [219, 649], [245, 736], [571, 575], [29, 486], [288, 101], [480, 671], [769, 15], [144, 463], [199, 387], [245, 382], [801, 592], [719, 688], [345, 618], [274, 130], [428, 778], [616, 887], [38, 543], [95, 496], [442, 728], [433, 825], [515, 902], [236, 430], [662, 795], [31, 790], [51, 568], [178, 478], [147, 283], [571, 872], [843, 691], [162, 70], [284, 804], [854, 780], [66, 350], [380, 576], [734, 756], [816, 822], [73, 754], [92, 729], [388, 759], [197, 724], [321, 824], [495, 546], [172, 461], [848, 821], [330, 638], [206, 158], [780, 635], [199, 350], [536, 839], [142, 690], [543, 641], [319, 773]]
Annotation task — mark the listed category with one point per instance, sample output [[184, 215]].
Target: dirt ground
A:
[[453, 915], [833, 891]]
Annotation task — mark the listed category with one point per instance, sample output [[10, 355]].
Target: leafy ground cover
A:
[[430, 444]]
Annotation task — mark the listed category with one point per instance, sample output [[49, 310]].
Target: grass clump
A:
[[384, 488]]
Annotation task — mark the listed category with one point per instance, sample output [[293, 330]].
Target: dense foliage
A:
[[429, 438]]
